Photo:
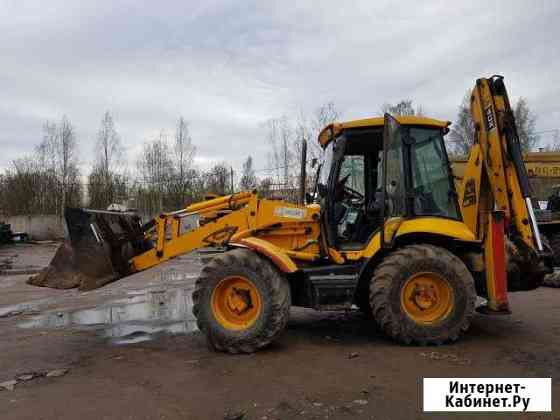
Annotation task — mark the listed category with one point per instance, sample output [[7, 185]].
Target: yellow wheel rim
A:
[[236, 303], [427, 298]]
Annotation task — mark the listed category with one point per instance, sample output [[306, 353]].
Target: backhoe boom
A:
[[496, 181]]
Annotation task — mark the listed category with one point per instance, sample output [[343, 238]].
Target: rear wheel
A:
[[241, 302], [422, 294], [554, 241], [552, 280]]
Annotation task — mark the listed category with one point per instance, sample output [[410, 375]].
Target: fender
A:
[[444, 228], [276, 255], [453, 229]]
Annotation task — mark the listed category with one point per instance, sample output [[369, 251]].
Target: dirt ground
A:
[[132, 352]]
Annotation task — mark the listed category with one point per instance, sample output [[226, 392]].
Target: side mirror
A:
[[314, 162], [308, 198]]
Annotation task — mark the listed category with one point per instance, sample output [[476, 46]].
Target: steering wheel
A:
[[353, 193], [350, 192]]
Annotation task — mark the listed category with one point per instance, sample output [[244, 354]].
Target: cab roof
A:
[[334, 129]]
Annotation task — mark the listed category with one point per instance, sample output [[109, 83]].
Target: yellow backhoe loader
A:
[[384, 231]]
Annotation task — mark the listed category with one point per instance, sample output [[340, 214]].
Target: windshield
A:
[[326, 164], [434, 192]]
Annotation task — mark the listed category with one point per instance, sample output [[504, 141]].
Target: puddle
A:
[[135, 318], [14, 270], [14, 310], [27, 308]]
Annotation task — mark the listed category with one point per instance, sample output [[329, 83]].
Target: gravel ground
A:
[[131, 351]]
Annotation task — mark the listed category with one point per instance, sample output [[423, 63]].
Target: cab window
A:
[[431, 180]]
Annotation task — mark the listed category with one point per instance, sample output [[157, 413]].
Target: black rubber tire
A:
[[272, 286], [552, 280], [554, 242], [391, 275]]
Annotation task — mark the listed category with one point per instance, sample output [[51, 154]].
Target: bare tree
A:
[[106, 188], [265, 187], [47, 150], [46, 157], [556, 141], [105, 184], [155, 172], [68, 160], [554, 145], [248, 178], [108, 148], [525, 120], [184, 149], [217, 180], [48, 180], [322, 116], [155, 165], [461, 135], [22, 189], [184, 152], [57, 154], [286, 137], [166, 176], [404, 107], [281, 155]]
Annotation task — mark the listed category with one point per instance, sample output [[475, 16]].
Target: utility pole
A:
[[302, 176]]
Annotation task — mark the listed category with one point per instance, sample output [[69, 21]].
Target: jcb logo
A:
[[490, 122]]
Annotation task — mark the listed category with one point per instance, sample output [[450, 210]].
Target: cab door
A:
[[394, 180]]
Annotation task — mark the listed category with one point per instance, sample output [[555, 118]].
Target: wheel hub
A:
[[239, 300], [427, 298], [236, 303]]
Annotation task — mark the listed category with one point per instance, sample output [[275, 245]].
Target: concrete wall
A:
[[38, 227]]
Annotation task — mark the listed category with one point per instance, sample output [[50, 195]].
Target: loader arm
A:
[[106, 245]]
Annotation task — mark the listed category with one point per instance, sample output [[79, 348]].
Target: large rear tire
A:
[[552, 280], [554, 242], [241, 302], [422, 294]]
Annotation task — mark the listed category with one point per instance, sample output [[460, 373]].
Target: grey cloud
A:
[[228, 66]]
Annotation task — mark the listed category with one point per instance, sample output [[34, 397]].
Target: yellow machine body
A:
[[385, 230]]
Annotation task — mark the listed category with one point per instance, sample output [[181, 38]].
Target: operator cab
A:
[[359, 192]]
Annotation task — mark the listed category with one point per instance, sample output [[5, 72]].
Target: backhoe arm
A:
[[501, 160], [495, 185]]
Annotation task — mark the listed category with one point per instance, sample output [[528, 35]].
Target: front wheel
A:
[[241, 302], [422, 294]]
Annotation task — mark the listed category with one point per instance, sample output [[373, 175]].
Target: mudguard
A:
[[276, 255]]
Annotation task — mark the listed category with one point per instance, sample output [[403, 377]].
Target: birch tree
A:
[[248, 180], [106, 182], [461, 136]]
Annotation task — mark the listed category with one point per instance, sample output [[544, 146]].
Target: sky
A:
[[229, 66]]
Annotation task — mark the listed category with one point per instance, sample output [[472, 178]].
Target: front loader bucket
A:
[[97, 251]]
